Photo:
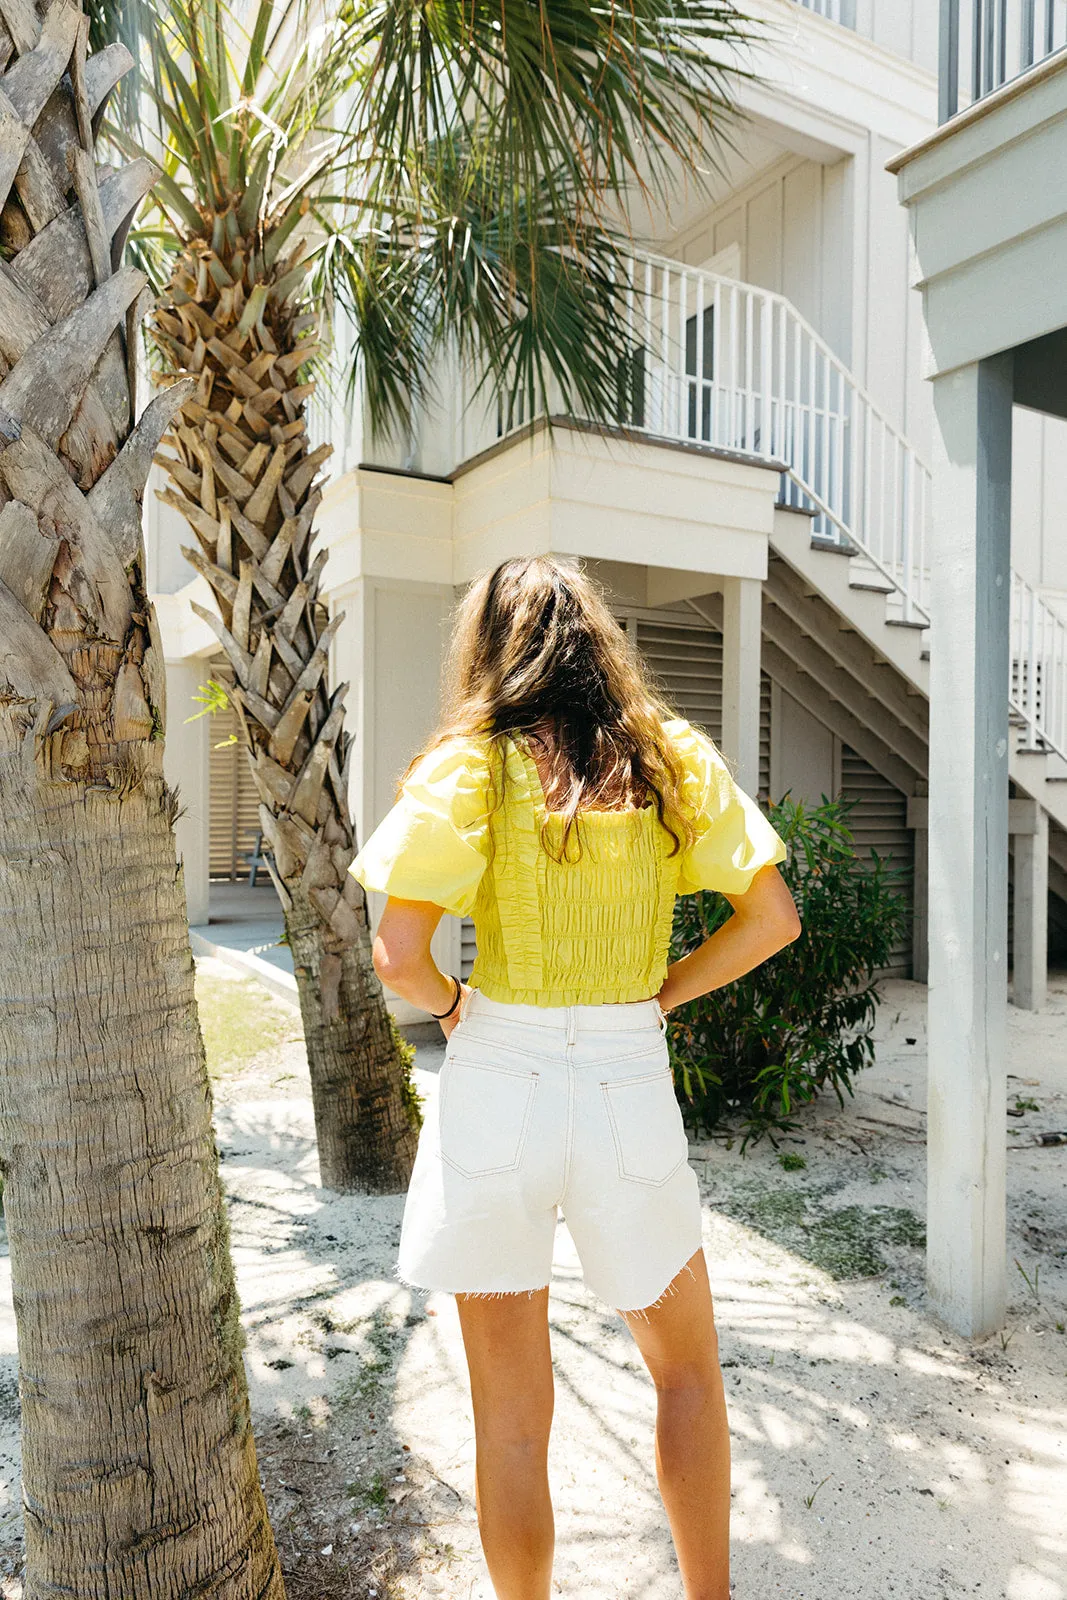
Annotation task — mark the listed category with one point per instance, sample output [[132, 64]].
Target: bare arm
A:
[[403, 961], [764, 920]]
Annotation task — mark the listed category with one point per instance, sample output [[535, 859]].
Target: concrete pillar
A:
[[742, 600], [968, 846], [186, 764], [1030, 963]]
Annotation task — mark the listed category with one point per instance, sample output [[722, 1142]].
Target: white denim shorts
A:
[[542, 1108]]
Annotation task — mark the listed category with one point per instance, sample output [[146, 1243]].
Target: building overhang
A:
[[987, 193], [562, 488]]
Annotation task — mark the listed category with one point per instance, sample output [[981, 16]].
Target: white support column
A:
[[742, 601], [186, 764], [1030, 962], [968, 846]]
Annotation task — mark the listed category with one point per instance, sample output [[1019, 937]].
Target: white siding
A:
[[834, 241], [907, 27], [789, 224], [1039, 502]]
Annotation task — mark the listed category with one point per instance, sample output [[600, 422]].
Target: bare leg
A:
[[510, 1364], [678, 1341]]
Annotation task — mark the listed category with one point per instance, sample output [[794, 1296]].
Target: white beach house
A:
[[805, 535]]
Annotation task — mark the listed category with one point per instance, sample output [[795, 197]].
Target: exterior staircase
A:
[[738, 368]]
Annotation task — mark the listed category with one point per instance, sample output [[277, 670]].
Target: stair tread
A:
[[834, 548]]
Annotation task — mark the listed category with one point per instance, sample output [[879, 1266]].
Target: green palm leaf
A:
[[449, 165]]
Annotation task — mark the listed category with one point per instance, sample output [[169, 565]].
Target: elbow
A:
[[789, 928], [391, 965]]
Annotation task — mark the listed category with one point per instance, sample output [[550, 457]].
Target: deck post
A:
[[1030, 962], [968, 846], [742, 601]]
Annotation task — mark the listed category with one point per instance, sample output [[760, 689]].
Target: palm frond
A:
[[611, 95], [441, 170]]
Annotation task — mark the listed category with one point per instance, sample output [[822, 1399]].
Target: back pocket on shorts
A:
[[646, 1125], [485, 1116]]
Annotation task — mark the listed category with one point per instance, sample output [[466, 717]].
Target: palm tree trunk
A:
[[139, 1467], [245, 479]]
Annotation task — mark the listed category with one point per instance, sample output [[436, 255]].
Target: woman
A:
[[562, 806]]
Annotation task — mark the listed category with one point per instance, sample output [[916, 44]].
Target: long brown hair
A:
[[536, 653]]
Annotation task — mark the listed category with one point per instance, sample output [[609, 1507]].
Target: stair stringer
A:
[[862, 610]]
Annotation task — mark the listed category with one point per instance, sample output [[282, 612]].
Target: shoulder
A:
[[453, 777], [463, 755], [697, 753]]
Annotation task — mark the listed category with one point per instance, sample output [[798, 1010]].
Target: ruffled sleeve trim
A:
[[733, 840], [434, 843]]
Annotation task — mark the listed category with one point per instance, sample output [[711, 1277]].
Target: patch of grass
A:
[[1032, 1283], [809, 1499], [374, 1367], [372, 1493], [790, 1162], [845, 1242], [240, 1021]]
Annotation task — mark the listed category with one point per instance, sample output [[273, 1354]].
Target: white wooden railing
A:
[[1038, 695], [987, 43], [725, 364], [835, 10]]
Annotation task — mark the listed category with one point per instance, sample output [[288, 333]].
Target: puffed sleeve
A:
[[434, 843], [734, 839]]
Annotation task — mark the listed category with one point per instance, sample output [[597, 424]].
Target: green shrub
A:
[[757, 1049]]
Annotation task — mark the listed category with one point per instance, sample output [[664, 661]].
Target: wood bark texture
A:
[[139, 1466], [246, 480]]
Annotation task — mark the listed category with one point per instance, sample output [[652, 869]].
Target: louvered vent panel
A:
[[234, 801], [468, 947], [879, 824], [687, 662]]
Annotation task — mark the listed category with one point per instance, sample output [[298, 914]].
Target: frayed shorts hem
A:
[[425, 1289], [665, 1294], [670, 1289]]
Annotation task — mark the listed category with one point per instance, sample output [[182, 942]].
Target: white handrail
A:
[[1038, 692], [726, 364], [736, 367]]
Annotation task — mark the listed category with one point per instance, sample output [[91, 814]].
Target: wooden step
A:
[[832, 547], [863, 574]]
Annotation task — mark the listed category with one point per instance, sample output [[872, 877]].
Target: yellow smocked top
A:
[[592, 931]]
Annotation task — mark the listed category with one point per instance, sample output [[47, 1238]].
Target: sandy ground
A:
[[874, 1453]]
